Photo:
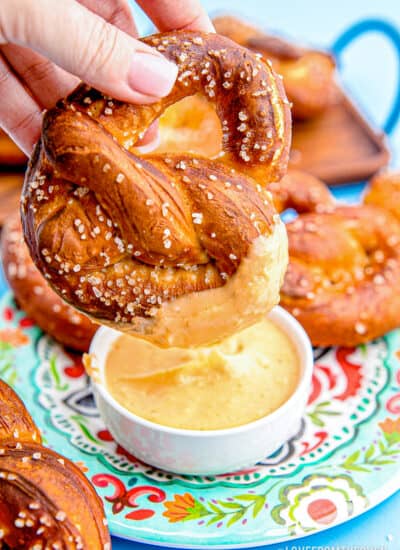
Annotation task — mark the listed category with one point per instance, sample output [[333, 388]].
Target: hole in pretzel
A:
[[190, 125]]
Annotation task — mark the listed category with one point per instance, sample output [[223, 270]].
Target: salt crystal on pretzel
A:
[[308, 75]]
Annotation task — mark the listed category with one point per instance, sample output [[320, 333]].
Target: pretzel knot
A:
[[125, 238], [343, 280]]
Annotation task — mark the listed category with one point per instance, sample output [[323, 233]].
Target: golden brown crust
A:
[[309, 83], [44, 498], [343, 280], [117, 234], [302, 192], [34, 295], [308, 75], [384, 191], [193, 125], [16, 423]]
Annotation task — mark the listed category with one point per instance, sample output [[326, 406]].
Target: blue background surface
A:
[[370, 72]]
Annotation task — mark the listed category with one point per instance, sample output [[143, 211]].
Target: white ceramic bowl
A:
[[210, 451]]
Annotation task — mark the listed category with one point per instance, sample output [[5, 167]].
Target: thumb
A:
[[87, 46]]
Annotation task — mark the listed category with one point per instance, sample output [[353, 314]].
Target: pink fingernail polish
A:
[[152, 74]]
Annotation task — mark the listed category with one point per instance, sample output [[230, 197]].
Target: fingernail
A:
[[150, 146], [151, 139], [152, 74]]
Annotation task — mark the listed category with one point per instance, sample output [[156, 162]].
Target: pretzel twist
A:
[[343, 279], [117, 234], [45, 500]]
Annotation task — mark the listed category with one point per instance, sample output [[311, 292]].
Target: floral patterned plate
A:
[[344, 459]]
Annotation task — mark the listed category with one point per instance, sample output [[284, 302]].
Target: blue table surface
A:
[[369, 70]]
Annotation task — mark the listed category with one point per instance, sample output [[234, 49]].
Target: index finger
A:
[[116, 12], [170, 15]]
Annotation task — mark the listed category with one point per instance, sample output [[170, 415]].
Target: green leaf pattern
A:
[[321, 410], [375, 455], [229, 511], [8, 372]]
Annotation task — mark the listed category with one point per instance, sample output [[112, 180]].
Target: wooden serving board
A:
[[10, 192], [339, 146]]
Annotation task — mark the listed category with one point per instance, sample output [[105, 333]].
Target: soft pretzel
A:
[[308, 75], [45, 500], [343, 279], [384, 191], [34, 295], [132, 240]]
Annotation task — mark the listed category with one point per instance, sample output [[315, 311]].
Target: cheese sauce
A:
[[236, 381]]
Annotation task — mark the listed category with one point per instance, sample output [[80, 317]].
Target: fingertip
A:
[[203, 24], [151, 74], [151, 139]]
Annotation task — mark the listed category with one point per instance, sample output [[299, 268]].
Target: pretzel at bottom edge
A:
[[45, 500]]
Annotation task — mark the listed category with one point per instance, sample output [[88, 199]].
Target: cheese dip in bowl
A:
[[205, 410]]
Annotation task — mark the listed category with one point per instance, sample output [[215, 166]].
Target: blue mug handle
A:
[[392, 33]]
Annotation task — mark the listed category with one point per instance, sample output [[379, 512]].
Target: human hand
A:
[[47, 46]]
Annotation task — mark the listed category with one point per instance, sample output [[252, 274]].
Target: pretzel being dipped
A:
[[308, 75], [34, 295], [176, 248], [384, 191], [343, 279], [45, 500]]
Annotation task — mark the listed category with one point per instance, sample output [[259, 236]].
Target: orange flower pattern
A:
[[390, 426], [179, 508], [13, 336], [391, 430]]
